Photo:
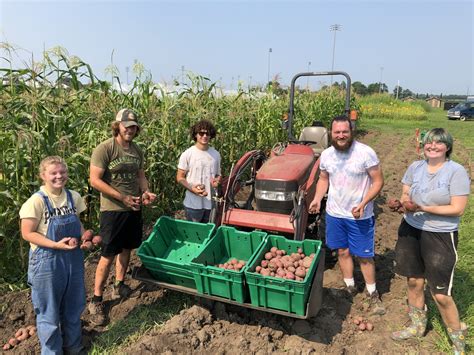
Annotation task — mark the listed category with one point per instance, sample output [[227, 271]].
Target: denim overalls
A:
[[57, 285]]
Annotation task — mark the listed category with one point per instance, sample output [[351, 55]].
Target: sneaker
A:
[[97, 313], [375, 305], [120, 291], [351, 290]]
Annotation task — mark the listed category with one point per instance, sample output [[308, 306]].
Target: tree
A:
[[359, 88]]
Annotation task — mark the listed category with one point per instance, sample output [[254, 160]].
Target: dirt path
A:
[[221, 329]]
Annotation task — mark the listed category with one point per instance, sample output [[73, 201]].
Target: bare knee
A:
[[443, 300], [366, 261], [343, 253]]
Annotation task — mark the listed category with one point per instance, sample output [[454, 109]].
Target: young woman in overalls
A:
[[50, 223]]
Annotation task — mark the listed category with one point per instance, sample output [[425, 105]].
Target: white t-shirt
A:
[[349, 180], [200, 166]]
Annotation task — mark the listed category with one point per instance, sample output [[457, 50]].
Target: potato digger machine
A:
[[263, 203]]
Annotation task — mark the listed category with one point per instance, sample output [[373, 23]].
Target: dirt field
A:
[[220, 329]]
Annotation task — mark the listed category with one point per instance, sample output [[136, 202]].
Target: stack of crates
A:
[[228, 243], [171, 246]]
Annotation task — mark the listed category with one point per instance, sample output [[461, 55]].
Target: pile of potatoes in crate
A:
[[278, 263], [232, 264], [20, 335]]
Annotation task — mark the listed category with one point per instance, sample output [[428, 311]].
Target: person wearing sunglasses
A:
[[199, 169]]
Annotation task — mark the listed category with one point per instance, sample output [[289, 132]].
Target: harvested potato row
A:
[[363, 324], [20, 335]]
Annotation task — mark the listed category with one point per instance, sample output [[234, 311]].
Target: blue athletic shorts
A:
[[355, 234]]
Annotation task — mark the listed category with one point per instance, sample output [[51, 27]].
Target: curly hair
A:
[[203, 125], [115, 129]]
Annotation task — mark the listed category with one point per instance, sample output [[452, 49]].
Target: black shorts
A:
[[120, 230], [428, 255]]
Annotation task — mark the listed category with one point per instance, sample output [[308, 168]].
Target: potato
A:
[[13, 342], [360, 319], [258, 268], [369, 326], [290, 275], [307, 262], [283, 252], [301, 272], [297, 278], [268, 256], [274, 250], [300, 250], [73, 242], [32, 330], [264, 263], [291, 269], [410, 206], [279, 253], [242, 262], [87, 235], [86, 245], [96, 240], [362, 326], [394, 204], [23, 334], [7, 346], [265, 272], [356, 321], [355, 213]]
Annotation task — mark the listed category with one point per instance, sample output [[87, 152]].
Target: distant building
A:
[[434, 101], [409, 99]]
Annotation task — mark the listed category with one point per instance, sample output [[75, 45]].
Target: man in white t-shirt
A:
[[351, 172], [199, 169]]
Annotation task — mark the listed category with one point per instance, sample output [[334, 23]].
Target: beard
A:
[[345, 147]]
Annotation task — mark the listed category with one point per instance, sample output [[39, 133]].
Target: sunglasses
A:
[[203, 133]]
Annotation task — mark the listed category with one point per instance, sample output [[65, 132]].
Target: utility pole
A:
[[334, 28], [398, 87], [268, 74]]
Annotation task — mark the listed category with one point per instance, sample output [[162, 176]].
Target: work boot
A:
[[97, 313], [416, 327], [120, 290], [351, 291], [373, 304], [458, 337]]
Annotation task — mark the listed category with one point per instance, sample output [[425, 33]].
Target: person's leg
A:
[[73, 304], [121, 264], [409, 263], [47, 283], [448, 310], [346, 263], [367, 267], [102, 273]]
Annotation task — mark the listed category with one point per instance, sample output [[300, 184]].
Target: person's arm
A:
[[376, 175], [321, 189], [456, 207], [29, 233], [96, 175], [181, 179]]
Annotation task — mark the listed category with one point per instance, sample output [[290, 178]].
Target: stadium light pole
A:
[[268, 73], [307, 78], [381, 74], [334, 28]]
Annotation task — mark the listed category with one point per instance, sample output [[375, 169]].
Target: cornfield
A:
[[59, 107]]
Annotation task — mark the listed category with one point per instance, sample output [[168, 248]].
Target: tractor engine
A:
[[278, 180]]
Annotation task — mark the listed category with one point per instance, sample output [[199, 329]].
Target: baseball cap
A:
[[127, 117]]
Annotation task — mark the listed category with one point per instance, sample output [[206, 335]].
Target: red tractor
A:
[[267, 193], [278, 189]]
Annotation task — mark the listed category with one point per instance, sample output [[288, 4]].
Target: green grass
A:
[[138, 322], [463, 277]]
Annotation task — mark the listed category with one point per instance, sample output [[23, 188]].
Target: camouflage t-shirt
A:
[[121, 171]]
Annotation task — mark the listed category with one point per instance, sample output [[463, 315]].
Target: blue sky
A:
[[425, 45]]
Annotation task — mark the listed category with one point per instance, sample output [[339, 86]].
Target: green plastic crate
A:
[[227, 244], [171, 246], [282, 294]]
